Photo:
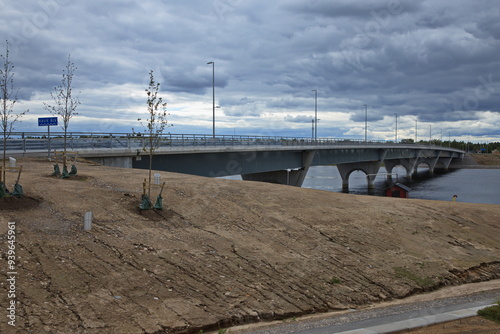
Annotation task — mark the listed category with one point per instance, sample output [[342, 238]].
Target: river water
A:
[[470, 185]]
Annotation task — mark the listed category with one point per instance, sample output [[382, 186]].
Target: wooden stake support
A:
[[11, 169], [73, 154], [146, 185]]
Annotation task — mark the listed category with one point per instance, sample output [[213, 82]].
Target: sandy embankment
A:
[[225, 252]]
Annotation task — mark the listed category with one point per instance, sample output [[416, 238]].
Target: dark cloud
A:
[[363, 9], [435, 61]]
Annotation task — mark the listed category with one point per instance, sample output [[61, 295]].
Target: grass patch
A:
[[420, 281], [335, 280], [491, 313]]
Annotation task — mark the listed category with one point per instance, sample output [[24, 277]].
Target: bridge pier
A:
[[446, 162], [410, 166], [292, 177], [431, 162], [369, 168]]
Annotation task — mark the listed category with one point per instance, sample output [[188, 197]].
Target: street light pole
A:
[[213, 96], [416, 131], [396, 136], [366, 120], [315, 114]]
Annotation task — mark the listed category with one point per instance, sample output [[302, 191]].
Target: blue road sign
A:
[[46, 121]]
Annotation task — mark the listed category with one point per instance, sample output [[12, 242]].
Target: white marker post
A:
[[87, 221]]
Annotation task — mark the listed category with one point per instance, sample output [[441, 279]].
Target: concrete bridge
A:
[[283, 160]]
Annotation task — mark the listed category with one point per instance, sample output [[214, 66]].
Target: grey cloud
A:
[[360, 9], [416, 58], [299, 119]]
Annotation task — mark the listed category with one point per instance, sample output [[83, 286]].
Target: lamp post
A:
[[416, 131], [366, 120], [396, 135], [315, 114], [213, 96]]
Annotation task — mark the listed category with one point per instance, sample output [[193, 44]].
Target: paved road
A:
[[389, 319]]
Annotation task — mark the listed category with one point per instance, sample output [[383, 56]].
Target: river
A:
[[470, 185]]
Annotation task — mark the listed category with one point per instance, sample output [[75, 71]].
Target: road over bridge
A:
[[283, 160]]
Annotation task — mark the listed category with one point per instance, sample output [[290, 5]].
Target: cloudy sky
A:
[[433, 63]]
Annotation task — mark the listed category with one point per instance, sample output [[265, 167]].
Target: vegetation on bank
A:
[[491, 313], [460, 145]]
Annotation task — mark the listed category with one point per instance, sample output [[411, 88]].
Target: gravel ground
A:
[[419, 309]]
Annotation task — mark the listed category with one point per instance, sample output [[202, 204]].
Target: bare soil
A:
[[487, 159], [223, 252]]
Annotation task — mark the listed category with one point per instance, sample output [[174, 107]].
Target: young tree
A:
[[65, 102], [8, 98], [156, 122]]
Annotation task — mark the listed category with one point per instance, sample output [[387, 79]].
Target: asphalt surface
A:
[[389, 319]]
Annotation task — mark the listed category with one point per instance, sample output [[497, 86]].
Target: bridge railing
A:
[[39, 141]]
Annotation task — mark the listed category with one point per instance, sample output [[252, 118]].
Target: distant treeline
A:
[[461, 145]]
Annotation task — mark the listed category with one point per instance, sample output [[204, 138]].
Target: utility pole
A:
[[396, 135], [315, 114], [366, 121], [213, 96], [416, 131]]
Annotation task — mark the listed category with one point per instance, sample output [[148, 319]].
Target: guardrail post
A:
[[110, 140]]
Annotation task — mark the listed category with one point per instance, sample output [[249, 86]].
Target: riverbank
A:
[[224, 252], [478, 161], [487, 159]]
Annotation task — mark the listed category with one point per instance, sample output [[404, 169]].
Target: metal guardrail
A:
[[39, 141]]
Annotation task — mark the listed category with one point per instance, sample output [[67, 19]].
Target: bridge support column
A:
[[431, 162], [389, 166], [369, 168], [446, 162], [410, 166], [294, 177]]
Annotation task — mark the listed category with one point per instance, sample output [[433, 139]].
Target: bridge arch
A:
[[390, 170], [410, 165], [369, 168]]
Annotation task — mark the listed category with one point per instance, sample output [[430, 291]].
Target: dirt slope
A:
[[224, 252], [487, 159]]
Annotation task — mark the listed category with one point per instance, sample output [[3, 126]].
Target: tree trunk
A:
[[150, 168], [2, 176], [64, 149]]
